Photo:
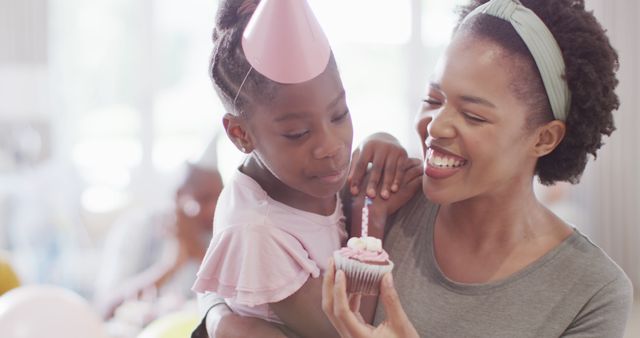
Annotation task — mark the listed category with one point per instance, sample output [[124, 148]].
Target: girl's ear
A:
[[235, 127], [548, 137]]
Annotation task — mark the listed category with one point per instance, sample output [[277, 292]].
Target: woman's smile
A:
[[440, 164]]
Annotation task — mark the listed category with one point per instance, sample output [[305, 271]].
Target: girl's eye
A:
[[296, 136], [341, 116], [474, 118]]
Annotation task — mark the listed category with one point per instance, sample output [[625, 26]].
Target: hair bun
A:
[[233, 12], [577, 4]]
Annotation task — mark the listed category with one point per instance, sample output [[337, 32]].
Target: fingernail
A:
[[394, 187], [385, 194], [354, 190], [371, 192]]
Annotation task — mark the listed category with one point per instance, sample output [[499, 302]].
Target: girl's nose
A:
[[328, 145], [328, 150]]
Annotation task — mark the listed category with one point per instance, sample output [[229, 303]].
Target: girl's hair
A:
[[228, 66], [591, 63]]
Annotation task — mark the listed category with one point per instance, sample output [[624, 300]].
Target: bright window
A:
[[137, 102]]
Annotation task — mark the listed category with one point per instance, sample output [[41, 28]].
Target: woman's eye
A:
[[431, 102], [474, 118], [341, 117], [296, 136]]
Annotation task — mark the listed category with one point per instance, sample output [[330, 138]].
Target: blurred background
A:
[[103, 101]]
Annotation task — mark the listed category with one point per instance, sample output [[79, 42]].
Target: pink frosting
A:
[[364, 255]]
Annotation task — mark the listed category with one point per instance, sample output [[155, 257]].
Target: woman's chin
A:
[[438, 195]]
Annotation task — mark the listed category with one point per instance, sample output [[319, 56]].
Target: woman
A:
[[524, 89]]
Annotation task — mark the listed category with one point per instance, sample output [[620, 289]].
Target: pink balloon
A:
[[45, 311]]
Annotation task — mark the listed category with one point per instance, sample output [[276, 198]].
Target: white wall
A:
[[611, 186]]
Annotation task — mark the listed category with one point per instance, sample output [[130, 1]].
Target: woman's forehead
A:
[[473, 61], [480, 72]]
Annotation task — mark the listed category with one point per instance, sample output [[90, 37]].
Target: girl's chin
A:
[[327, 190]]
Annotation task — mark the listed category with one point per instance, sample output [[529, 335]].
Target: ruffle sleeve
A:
[[255, 265]]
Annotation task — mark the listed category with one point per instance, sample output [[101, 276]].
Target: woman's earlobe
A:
[[549, 137]]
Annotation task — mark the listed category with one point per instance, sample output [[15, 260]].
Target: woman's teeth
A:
[[444, 161]]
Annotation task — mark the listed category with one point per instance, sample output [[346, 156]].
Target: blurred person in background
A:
[[150, 258]]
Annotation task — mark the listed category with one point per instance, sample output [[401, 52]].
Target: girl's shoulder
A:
[[242, 205]]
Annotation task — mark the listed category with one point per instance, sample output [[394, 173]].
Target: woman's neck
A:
[[501, 219], [284, 194], [489, 238]]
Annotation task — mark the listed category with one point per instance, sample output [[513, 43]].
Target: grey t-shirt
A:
[[575, 290]]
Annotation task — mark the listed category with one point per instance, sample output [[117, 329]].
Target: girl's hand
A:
[[380, 208], [343, 311], [387, 158]]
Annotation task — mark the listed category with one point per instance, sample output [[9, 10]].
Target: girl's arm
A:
[[232, 325], [380, 167], [219, 321], [381, 208], [302, 312]]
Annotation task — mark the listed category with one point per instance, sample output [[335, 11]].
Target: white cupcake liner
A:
[[361, 277]]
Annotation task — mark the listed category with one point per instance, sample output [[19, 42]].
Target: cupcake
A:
[[364, 262]]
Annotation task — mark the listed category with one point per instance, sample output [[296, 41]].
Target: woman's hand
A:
[[342, 311], [387, 158]]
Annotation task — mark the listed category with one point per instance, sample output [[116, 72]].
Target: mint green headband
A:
[[542, 45]]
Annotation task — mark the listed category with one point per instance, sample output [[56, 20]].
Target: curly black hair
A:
[[228, 66], [591, 65]]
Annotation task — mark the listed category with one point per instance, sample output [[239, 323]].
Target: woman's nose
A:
[[441, 125]]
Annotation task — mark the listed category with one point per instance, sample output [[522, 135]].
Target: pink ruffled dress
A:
[[263, 251]]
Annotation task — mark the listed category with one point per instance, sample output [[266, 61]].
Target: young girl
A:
[[280, 218]]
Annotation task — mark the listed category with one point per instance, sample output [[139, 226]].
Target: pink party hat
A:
[[284, 41]]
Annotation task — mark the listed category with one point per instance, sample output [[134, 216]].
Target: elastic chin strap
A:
[[240, 89], [542, 46]]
